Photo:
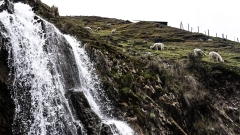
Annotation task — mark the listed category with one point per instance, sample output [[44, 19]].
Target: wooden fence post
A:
[[188, 26], [208, 32], [181, 25], [198, 29], [216, 34]]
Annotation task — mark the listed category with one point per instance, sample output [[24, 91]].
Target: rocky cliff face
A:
[[154, 96], [157, 95], [6, 102], [201, 105]]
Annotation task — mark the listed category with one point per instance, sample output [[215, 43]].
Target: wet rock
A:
[[7, 110], [4, 69], [89, 118], [6, 102], [8, 6], [62, 52], [84, 112], [105, 130]]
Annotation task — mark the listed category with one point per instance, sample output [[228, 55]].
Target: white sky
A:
[[219, 16]]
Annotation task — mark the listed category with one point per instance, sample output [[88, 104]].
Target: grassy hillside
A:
[[156, 92], [140, 76], [135, 39], [167, 92]]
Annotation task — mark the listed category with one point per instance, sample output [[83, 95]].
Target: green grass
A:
[[134, 39]]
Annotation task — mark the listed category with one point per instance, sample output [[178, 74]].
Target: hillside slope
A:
[[156, 92], [170, 91]]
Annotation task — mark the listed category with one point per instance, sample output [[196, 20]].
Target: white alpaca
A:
[[198, 52], [89, 29], [210, 40], [98, 28], [108, 25], [157, 45], [215, 56], [113, 31]]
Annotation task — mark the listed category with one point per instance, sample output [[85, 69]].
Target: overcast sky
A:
[[219, 16]]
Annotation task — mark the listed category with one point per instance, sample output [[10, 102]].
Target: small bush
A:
[[55, 11]]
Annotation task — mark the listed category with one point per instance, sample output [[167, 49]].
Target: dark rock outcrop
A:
[[91, 121], [64, 57], [6, 102], [8, 6], [6, 107]]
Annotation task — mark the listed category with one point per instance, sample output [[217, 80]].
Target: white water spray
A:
[[41, 107], [38, 91], [90, 86]]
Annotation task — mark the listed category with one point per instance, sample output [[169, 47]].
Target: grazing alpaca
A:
[[198, 52], [89, 29], [113, 31], [215, 56], [98, 28], [108, 25], [157, 45]]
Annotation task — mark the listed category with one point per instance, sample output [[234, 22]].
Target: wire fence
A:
[[190, 29]]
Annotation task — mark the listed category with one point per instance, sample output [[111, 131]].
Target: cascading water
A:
[[90, 87], [39, 86], [38, 94]]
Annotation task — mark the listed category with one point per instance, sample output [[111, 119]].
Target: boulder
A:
[[8, 6], [89, 118]]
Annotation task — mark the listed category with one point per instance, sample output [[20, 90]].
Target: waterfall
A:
[[90, 86], [38, 94], [40, 83]]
